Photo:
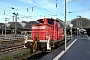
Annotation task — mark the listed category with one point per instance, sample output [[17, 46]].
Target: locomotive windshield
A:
[[58, 24], [41, 21], [51, 21]]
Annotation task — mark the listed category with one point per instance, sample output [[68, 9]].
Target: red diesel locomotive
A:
[[46, 35]]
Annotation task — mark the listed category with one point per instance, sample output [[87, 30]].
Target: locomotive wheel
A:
[[35, 46]]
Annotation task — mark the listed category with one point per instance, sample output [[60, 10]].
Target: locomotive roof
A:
[[49, 19], [58, 20]]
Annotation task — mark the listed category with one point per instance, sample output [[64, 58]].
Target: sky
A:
[[32, 10]]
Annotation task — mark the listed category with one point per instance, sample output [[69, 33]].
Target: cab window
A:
[[50, 21], [58, 24], [41, 22]]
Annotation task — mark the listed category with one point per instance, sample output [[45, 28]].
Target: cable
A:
[[78, 11], [56, 7], [24, 8], [42, 7]]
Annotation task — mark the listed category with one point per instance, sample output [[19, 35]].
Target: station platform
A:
[[77, 49]]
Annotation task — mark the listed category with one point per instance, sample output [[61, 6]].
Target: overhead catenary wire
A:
[[27, 9]]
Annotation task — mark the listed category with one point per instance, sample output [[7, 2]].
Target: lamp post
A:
[[5, 27], [65, 21], [71, 25], [77, 32], [78, 24], [2, 29], [13, 18], [15, 23]]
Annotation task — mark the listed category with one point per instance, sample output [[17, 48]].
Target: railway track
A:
[[33, 56], [37, 55], [7, 49]]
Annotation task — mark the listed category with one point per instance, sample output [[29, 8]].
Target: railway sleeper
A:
[[6, 51], [2, 50], [10, 50]]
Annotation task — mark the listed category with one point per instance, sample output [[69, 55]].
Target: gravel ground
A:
[[13, 53]]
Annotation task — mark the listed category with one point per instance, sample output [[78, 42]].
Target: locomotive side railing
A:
[[28, 35]]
